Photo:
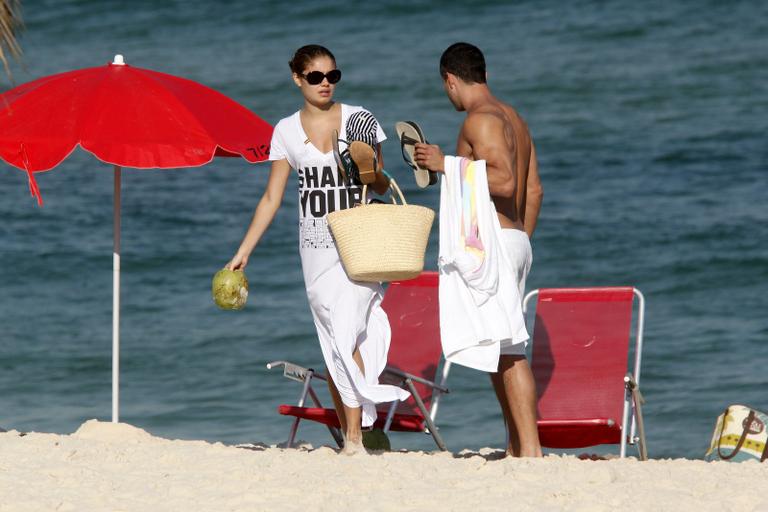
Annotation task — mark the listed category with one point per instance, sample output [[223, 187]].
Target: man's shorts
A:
[[517, 246]]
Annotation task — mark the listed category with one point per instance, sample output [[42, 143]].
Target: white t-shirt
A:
[[321, 186]]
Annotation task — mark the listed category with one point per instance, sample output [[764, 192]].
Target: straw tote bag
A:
[[382, 242]]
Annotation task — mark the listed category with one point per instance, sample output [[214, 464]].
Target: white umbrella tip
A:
[[118, 60]]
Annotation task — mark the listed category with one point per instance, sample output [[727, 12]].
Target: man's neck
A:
[[477, 95]]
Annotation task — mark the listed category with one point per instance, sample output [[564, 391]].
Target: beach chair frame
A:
[[298, 373], [304, 375], [633, 398]]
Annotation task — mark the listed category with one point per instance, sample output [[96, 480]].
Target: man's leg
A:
[[516, 391], [513, 440]]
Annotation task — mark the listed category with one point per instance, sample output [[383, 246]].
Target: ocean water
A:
[[651, 125]]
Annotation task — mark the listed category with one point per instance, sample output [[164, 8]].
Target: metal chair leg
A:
[[642, 445], [637, 402], [295, 427], [335, 432], [420, 404], [390, 415]]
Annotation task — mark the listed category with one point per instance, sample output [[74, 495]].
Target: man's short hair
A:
[[464, 60]]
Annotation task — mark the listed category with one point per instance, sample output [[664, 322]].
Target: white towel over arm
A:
[[479, 305]]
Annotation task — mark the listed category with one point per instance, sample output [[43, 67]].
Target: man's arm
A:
[[534, 195], [485, 135]]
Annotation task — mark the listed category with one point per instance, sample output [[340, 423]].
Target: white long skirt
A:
[[348, 314]]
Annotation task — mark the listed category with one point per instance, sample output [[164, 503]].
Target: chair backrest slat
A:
[[414, 317], [580, 351]]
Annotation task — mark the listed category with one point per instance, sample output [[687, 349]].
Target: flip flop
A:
[[344, 161], [410, 134], [364, 158]]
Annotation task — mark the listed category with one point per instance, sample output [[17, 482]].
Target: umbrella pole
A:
[[116, 302]]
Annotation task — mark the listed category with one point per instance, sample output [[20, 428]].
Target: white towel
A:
[[480, 302]]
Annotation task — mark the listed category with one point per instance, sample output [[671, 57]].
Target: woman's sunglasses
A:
[[316, 77]]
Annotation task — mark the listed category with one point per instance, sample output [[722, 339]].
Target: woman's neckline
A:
[[305, 137]]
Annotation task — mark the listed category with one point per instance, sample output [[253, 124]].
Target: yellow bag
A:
[[740, 434], [382, 242]]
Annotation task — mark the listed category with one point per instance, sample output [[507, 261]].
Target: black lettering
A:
[[301, 178], [317, 203], [354, 196], [332, 200], [311, 175], [260, 152], [327, 177], [343, 199], [304, 197]]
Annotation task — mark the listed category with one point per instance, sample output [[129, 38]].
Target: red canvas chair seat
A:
[[564, 433], [579, 360], [400, 422], [414, 355]]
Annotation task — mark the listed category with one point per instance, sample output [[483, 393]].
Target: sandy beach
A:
[[118, 467]]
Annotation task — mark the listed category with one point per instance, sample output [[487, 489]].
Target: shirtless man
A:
[[493, 131]]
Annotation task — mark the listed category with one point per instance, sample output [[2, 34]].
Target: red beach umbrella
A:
[[127, 117]]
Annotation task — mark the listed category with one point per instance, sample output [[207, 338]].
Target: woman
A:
[[352, 327]]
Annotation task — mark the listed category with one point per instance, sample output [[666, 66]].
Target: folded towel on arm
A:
[[480, 302]]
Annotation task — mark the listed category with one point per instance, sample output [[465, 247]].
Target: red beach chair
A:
[[414, 357], [580, 359]]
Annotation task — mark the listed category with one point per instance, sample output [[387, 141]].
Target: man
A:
[[494, 132]]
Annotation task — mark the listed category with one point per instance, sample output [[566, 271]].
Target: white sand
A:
[[117, 467]]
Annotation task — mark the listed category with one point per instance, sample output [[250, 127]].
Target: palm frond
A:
[[10, 26]]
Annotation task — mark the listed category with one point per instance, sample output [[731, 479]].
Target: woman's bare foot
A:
[[353, 444]]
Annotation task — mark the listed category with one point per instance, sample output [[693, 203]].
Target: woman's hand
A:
[[238, 262], [381, 185]]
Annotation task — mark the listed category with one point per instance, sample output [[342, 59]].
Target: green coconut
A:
[[376, 439], [230, 289]]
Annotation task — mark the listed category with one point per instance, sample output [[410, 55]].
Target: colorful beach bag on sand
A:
[[740, 434]]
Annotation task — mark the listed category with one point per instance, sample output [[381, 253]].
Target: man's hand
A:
[[429, 156]]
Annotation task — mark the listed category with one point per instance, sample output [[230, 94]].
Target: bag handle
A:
[[744, 432], [393, 187]]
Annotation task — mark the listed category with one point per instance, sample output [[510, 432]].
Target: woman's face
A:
[[322, 93]]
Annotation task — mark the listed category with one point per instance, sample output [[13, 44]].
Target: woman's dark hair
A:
[[464, 60], [307, 54]]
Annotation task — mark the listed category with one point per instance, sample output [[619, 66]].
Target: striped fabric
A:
[[362, 126]]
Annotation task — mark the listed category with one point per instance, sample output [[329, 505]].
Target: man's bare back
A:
[[493, 131]]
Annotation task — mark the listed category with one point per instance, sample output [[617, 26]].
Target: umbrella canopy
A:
[[128, 117], [125, 116]]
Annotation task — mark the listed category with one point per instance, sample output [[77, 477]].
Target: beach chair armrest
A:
[[294, 371], [414, 378]]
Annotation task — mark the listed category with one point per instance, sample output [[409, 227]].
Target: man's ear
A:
[[451, 80]]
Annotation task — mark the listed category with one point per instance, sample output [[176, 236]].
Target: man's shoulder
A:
[[482, 121], [483, 115]]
